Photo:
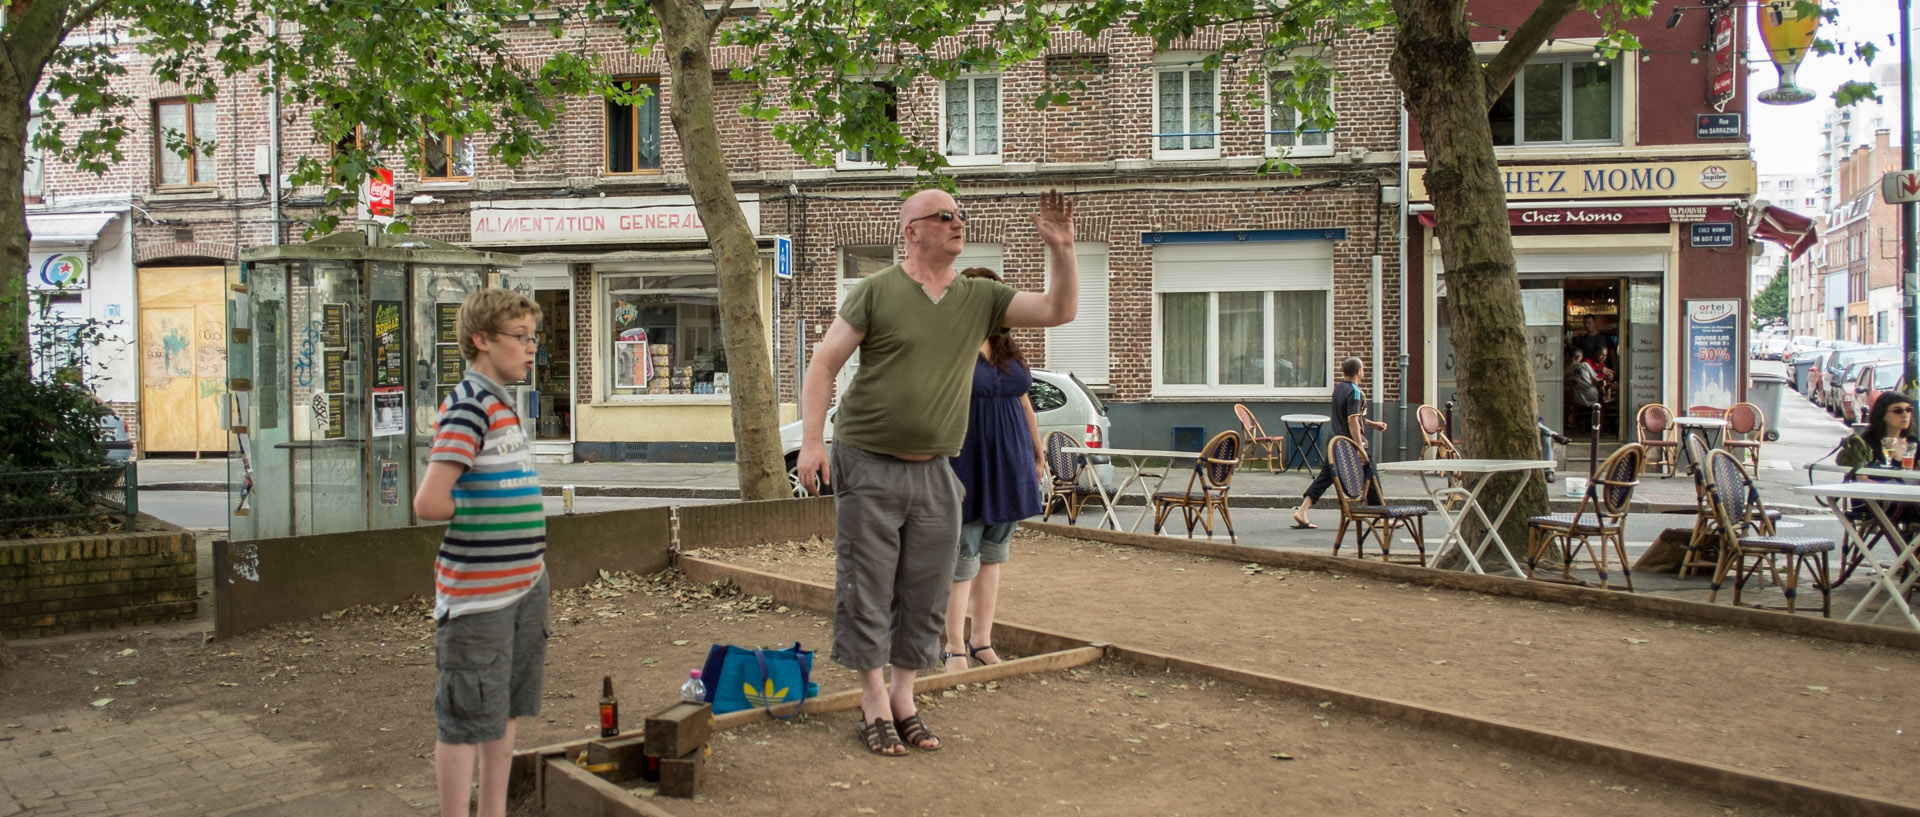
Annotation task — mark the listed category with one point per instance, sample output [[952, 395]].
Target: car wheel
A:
[[793, 479]]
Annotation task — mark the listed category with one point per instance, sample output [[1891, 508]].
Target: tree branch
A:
[[719, 16], [1526, 41], [82, 16]]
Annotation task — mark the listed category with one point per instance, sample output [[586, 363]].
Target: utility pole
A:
[[1909, 271]]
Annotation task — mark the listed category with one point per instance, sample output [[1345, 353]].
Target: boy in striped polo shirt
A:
[[490, 579]]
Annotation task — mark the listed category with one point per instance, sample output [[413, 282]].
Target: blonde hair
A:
[[486, 311]]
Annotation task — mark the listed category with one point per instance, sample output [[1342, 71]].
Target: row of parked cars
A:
[[1845, 377]]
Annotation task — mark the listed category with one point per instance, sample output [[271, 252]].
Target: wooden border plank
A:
[[1611, 600], [570, 791]]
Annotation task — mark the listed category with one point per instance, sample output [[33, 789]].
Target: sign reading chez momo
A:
[[610, 220], [1722, 177]]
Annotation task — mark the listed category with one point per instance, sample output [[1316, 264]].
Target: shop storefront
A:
[[81, 264], [632, 365], [1607, 278]]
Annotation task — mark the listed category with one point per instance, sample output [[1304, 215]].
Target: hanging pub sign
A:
[[1722, 82], [1788, 34]]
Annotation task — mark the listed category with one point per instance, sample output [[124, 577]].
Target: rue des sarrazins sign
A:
[[1726, 177]]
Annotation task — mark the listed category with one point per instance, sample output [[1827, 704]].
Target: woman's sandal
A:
[[974, 653], [916, 733], [882, 739], [949, 656]]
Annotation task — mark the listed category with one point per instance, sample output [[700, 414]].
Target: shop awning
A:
[[67, 228], [1784, 227]]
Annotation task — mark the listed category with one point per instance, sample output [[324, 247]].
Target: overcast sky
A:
[[1785, 136]]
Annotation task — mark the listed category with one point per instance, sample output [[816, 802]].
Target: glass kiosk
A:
[[341, 352]]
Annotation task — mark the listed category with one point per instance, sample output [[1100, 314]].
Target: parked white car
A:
[[1060, 403]]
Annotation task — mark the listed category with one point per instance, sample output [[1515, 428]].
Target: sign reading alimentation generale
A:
[[610, 220], [1730, 177]]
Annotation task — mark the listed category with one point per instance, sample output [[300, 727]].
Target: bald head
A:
[[924, 203]]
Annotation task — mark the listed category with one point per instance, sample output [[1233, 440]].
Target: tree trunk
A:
[[686, 36], [1440, 75], [26, 45]]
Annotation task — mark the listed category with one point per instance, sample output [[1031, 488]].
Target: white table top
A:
[[1862, 490], [1460, 466], [1140, 453], [1878, 473], [1304, 418], [1701, 422]]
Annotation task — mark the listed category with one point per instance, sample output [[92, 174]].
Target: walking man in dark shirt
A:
[[1349, 420]]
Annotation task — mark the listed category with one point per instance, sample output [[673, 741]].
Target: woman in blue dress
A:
[[1001, 465]]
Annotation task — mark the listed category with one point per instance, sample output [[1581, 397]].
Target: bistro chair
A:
[[1358, 489], [1066, 487], [1745, 544], [1602, 515], [1746, 426], [1436, 445], [1655, 424], [1206, 488], [1702, 551], [1259, 440]]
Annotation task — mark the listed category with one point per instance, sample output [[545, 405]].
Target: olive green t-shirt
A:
[[910, 393]]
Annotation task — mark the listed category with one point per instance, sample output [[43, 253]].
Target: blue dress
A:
[[996, 462]]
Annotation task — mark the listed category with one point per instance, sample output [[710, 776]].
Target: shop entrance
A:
[[553, 369]]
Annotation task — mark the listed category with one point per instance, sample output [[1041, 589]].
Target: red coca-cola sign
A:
[[380, 192]]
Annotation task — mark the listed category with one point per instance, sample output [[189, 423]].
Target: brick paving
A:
[[168, 764]]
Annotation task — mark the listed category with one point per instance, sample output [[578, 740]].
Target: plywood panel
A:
[[183, 358]]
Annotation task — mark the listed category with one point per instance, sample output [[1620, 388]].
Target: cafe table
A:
[[1700, 426], [1876, 496], [1477, 472], [1139, 473]]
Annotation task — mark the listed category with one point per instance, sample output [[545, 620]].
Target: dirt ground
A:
[[1803, 708], [353, 691]]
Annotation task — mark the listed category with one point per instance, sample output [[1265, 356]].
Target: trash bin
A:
[[1800, 369], [1765, 390]]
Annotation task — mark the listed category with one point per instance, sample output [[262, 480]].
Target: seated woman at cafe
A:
[[1889, 424]]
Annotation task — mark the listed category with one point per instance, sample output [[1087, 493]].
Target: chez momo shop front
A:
[[632, 364]]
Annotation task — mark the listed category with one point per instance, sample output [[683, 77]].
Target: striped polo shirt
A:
[[495, 546]]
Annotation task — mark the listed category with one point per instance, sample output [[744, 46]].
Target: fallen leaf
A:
[[1817, 689], [127, 683], [228, 684], [680, 643], [101, 702], [1282, 756], [1635, 640], [839, 785], [128, 651]]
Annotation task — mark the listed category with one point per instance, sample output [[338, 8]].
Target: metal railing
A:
[[104, 491]]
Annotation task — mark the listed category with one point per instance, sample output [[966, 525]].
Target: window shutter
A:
[[1080, 346], [1243, 267]]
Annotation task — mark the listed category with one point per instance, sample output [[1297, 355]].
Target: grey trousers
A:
[[899, 531]]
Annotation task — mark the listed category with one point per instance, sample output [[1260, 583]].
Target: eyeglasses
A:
[[1901, 410], [945, 216], [523, 340]]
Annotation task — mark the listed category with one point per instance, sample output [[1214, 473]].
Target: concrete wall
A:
[[76, 584], [752, 523]]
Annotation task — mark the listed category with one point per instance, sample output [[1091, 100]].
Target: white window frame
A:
[[840, 160], [1621, 77], [1272, 107], [1185, 64], [999, 115], [1243, 255], [603, 331]]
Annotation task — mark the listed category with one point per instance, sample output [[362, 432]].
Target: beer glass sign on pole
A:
[[1788, 34]]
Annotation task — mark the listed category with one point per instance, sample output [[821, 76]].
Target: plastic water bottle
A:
[[693, 690]]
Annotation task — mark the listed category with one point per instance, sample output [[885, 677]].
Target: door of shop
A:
[[553, 376], [183, 359]]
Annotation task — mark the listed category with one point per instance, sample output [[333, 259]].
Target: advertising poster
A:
[[333, 325], [451, 365], [389, 483], [334, 371], [389, 412], [336, 416], [386, 344], [1712, 338], [446, 323]]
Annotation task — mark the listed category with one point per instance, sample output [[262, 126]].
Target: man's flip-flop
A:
[[1305, 526]]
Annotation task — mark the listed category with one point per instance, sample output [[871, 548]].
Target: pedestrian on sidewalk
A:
[[490, 578], [918, 327], [1350, 421], [1001, 466]]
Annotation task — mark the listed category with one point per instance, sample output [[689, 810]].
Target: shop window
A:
[[633, 129], [663, 331], [446, 157], [972, 114], [1256, 339], [1290, 133], [1183, 104], [33, 179], [186, 127], [869, 105], [1559, 101]]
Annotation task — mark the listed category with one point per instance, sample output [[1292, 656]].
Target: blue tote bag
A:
[[740, 678]]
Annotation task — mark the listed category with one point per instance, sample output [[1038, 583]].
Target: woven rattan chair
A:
[[1746, 426], [1744, 545], [1655, 428], [1358, 489], [1259, 441], [1434, 442], [1066, 487], [1206, 489], [1602, 516], [1702, 551]]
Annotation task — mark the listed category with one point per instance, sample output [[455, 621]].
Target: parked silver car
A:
[[1060, 403]]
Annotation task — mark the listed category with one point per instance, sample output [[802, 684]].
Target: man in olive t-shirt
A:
[[918, 327]]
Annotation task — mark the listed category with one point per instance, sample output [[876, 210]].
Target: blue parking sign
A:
[[782, 257]]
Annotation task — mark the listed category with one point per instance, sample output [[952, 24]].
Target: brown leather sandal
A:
[[882, 739], [916, 733]]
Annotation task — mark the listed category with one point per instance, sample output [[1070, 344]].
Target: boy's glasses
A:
[[524, 340], [945, 216]]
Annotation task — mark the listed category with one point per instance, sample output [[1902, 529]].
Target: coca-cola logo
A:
[[380, 192]]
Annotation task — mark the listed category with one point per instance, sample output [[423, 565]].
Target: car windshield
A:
[[1885, 377]]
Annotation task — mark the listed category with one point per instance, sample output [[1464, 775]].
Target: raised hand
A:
[[1055, 219]]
